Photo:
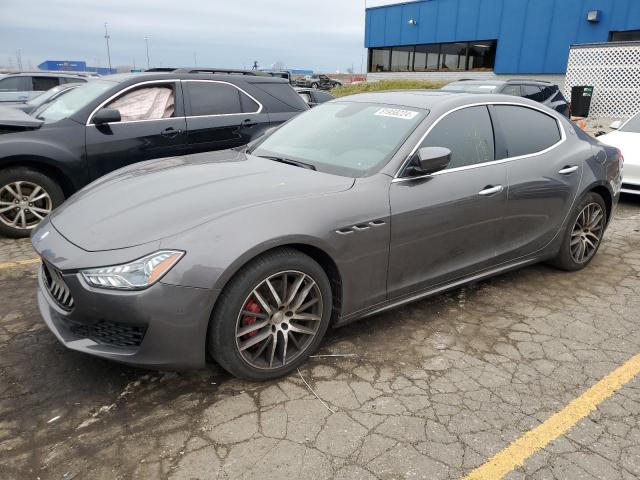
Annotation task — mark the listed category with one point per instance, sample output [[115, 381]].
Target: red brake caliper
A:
[[252, 307]]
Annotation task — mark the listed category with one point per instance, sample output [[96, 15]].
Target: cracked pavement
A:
[[435, 389]]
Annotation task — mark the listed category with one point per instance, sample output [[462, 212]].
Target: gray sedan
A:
[[357, 206]]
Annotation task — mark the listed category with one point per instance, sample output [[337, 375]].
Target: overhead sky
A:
[[325, 35]]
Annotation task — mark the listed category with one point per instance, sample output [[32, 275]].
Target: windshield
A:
[[343, 138], [69, 103], [470, 87], [633, 125]]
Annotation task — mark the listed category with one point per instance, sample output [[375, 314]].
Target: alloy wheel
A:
[[587, 233], [24, 204], [279, 320]]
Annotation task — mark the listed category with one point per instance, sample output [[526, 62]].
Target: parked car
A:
[[20, 87], [117, 120], [42, 99], [539, 91], [626, 138], [317, 81], [314, 96], [354, 207]]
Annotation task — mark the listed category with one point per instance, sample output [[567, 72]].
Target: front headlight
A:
[[136, 275]]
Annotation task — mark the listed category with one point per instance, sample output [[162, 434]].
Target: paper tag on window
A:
[[396, 113]]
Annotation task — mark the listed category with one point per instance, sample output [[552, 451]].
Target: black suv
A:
[[537, 90], [117, 120]]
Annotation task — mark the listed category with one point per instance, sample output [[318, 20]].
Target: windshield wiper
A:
[[288, 161]]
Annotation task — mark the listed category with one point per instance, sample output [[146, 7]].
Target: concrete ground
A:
[[431, 390]]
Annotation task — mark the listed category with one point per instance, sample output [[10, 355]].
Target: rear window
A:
[[526, 131], [286, 96], [632, 125]]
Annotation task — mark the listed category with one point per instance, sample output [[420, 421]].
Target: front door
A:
[[449, 224], [221, 116], [152, 126], [544, 176]]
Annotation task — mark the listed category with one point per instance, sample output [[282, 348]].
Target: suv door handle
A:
[[568, 170], [249, 123], [490, 190], [170, 132]]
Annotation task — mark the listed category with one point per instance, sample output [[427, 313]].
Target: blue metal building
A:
[[73, 66], [503, 36]]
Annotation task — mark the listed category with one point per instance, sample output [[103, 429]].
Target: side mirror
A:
[[428, 160], [615, 125], [106, 115]]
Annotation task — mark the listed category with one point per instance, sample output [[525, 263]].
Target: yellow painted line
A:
[[532, 441], [18, 263]]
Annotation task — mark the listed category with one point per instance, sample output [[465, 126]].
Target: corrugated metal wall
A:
[[534, 36]]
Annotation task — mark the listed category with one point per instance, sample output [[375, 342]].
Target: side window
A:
[[41, 84], [532, 92], [12, 84], [209, 98], [512, 90], [525, 130], [145, 103], [248, 105], [467, 133], [305, 96]]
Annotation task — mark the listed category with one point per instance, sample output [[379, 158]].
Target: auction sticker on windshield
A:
[[396, 113]]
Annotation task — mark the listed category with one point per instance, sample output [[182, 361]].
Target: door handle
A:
[[490, 190], [568, 170], [249, 123], [170, 132]]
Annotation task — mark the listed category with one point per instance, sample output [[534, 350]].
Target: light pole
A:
[[106, 37], [19, 58], [195, 59], [146, 41]]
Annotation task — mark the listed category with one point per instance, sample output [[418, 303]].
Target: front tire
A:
[[271, 316], [584, 233], [314, 86], [27, 196]]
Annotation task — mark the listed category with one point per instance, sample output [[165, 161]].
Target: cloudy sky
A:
[[326, 35]]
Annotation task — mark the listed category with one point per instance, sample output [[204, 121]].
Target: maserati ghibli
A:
[[357, 206]]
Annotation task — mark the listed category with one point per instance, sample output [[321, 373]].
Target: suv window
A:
[[214, 98], [526, 131], [467, 133], [12, 84], [533, 93], [42, 84], [145, 103], [511, 90]]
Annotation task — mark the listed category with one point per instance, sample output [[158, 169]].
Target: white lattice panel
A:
[[613, 71]]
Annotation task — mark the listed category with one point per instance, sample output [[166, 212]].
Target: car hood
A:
[[159, 198], [15, 117], [627, 142]]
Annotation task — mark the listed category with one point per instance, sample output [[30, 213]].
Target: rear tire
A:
[[584, 233], [314, 86], [27, 196], [271, 316]]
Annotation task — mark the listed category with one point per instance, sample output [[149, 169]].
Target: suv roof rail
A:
[[532, 80], [227, 71]]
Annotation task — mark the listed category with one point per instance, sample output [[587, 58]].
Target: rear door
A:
[[544, 176], [221, 115], [153, 125]]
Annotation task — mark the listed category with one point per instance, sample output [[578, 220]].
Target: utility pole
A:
[[106, 37], [146, 41], [195, 59], [19, 58]]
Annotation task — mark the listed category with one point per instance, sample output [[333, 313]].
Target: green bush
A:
[[386, 85]]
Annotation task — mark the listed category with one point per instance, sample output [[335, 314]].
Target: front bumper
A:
[[164, 326]]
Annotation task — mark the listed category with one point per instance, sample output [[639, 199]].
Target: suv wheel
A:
[[26, 197], [314, 85], [271, 316]]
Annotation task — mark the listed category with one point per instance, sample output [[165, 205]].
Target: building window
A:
[[402, 59], [380, 60], [628, 36], [479, 55]]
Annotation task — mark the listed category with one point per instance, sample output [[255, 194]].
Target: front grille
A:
[[109, 333], [57, 287], [628, 186]]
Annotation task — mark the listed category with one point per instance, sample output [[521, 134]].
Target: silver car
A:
[[20, 87], [357, 206]]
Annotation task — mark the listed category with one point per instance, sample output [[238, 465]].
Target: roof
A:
[[411, 98], [162, 75]]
